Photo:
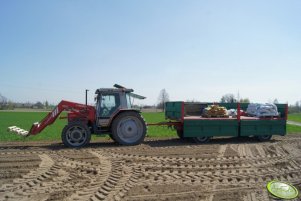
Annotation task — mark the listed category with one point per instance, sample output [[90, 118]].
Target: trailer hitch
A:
[[169, 124]]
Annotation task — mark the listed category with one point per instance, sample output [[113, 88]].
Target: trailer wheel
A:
[[180, 134], [263, 138], [128, 128], [201, 139], [76, 135]]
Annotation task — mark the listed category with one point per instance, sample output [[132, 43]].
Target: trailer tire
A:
[[76, 135], [182, 138], [201, 140], [263, 138], [128, 128], [180, 134]]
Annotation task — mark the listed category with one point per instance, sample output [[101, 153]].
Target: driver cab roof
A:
[[103, 90], [118, 89]]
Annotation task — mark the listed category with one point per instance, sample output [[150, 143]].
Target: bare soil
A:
[[159, 169]]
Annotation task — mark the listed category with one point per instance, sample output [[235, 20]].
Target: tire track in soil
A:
[[93, 190], [290, 173], [154, 170], [76, 173], [121, 178], [12, 167], [19, 186]]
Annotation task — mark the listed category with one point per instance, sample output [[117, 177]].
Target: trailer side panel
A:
[[202, 128], [262, 127]]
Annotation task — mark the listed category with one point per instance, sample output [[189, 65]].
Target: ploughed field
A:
[[158, 169]]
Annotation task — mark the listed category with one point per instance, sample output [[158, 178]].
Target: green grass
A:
[[295, 117], [25, 119], [158, 131], [53, 132], [293, 129]]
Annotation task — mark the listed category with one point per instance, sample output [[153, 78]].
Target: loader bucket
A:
[[17, 130]]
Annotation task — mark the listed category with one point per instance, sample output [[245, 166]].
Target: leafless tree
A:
[[295, 108], [228, 98], [3, 101], [163, 97]]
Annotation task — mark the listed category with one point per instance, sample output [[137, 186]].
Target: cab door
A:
[[107, 105]]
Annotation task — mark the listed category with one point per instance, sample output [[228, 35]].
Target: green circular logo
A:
[[282, 190]]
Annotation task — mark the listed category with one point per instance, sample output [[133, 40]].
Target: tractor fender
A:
[[118, 112]]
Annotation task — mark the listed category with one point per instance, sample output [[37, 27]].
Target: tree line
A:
[[163, 97], [227, 98], [230, 98], [296, 108], [6, 104]]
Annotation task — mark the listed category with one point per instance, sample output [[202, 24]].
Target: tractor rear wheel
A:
[[128, 128], [76, 135], [111, 136]]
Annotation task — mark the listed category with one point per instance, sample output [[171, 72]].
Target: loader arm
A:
[[82, 111]]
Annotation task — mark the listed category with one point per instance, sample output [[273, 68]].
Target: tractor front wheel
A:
[[76, 135], [128, 128]]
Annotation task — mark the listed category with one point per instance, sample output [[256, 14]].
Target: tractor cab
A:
[[111, 101]]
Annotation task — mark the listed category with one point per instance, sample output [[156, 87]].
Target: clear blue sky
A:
[[201, 50]]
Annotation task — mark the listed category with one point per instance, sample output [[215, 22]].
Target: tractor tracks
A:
[[155, 170]]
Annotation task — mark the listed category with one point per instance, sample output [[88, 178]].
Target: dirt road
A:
[[166, 169], [294, 123]]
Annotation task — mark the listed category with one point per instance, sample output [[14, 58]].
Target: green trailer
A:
[[190, 123]]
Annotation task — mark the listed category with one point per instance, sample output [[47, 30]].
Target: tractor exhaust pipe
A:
[[87, 96]]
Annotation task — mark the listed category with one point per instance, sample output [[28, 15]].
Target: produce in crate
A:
[[215, 111]]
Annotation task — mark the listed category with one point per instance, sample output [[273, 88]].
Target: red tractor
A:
[[112, 114]]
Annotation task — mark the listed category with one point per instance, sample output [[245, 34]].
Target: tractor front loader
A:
[[112, 115]]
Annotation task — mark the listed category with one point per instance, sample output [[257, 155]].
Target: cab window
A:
[[108, 104]]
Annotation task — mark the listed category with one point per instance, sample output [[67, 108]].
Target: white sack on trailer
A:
[[262, 110], [252, 109]]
